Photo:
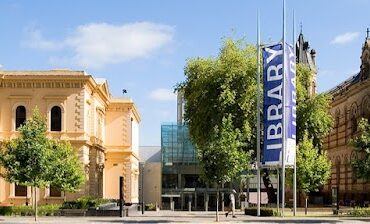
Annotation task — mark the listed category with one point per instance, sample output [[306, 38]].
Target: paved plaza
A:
[[185, 217]]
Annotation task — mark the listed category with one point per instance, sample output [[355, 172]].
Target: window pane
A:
[[56, 119], [20, 116], [54, 192], [20, 191]]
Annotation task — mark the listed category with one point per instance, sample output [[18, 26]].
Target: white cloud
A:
[[99, 44], [163, 95], [345, 38], [37, 41]]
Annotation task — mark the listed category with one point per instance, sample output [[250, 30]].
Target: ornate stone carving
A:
[[22, 84], [100, 167], [365, 61]]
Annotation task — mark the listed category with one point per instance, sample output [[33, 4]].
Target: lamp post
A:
[[142, 187]]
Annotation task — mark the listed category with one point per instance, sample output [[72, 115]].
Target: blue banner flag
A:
[[274, 120]]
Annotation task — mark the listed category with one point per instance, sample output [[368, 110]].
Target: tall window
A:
[[20, 116], [20, 191], [56, 119]]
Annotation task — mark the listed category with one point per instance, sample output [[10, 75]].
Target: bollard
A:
[[189, 204]]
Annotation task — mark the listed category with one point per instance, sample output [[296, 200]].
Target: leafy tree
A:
[[219, 110], [313, 167], [226, 85], [30, 161], [66, 174], [361, 143], [313, 117], [26, 158]]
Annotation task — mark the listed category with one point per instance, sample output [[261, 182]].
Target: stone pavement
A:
[[183, 217]]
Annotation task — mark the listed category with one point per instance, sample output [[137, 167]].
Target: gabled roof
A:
[[103, 85]]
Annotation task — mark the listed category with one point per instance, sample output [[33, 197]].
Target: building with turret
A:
[[350, 102]]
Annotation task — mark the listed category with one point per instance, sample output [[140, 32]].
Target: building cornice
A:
[[351, 90]]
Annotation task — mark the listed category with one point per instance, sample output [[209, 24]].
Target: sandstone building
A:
[[103, 130], [351, 101]]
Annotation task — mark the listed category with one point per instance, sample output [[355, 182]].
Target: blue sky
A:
[[142, 46]]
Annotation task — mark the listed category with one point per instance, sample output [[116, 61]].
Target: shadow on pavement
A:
[[291, 221], [132, 221]]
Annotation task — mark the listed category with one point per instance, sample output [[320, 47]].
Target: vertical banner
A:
[[291, 105], [274, 120]]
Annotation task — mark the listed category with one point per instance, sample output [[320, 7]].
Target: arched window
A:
[[56, 119], [20, 116]]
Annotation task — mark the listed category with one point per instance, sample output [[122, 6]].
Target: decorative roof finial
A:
[[367, 33], [301, 27]]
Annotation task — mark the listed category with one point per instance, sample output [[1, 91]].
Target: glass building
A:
[[180, 169]]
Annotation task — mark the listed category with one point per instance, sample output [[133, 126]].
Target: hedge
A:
[[263, 212], [23, 210], [361, 212], [84, 202]]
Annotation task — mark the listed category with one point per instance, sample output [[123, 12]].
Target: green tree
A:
[[361, 144], [220, 110], [313, 167], [66, 174], [26, 158], [313, 117], [31, 160], [217, 87]]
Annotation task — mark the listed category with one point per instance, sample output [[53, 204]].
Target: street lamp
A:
[[142, 164]]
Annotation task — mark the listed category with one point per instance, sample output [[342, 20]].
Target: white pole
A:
[[295, 166], [284, 121], [258, 121]]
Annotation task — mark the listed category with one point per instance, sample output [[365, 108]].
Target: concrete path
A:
[[182, 217]]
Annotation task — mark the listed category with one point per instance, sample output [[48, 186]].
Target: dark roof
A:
[[345, 84], [303, 53]]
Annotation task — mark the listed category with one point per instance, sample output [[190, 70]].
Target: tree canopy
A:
[[313, 166], [361, 144], [26, 159], [36, 161], [220, 94], [313, 117], [220, 109]]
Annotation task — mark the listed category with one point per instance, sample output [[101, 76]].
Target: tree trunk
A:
[[269, 187], [306, 204], [217, 202], [35, 204], [32, 199]]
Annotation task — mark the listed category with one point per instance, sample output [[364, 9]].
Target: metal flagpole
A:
[[284, 121], [278, 190], [258, 121], [295, 165]]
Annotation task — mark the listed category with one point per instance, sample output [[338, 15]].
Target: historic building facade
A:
[[103, 130], [351, 101]]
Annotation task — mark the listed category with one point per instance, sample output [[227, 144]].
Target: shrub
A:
[[264, 211], [357, 211], [22, 210], [48, 210], [150, 207], [6, 210], [84, 202]]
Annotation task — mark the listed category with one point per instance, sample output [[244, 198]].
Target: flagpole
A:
[[295, 156], [284, 121], [258, 120]]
